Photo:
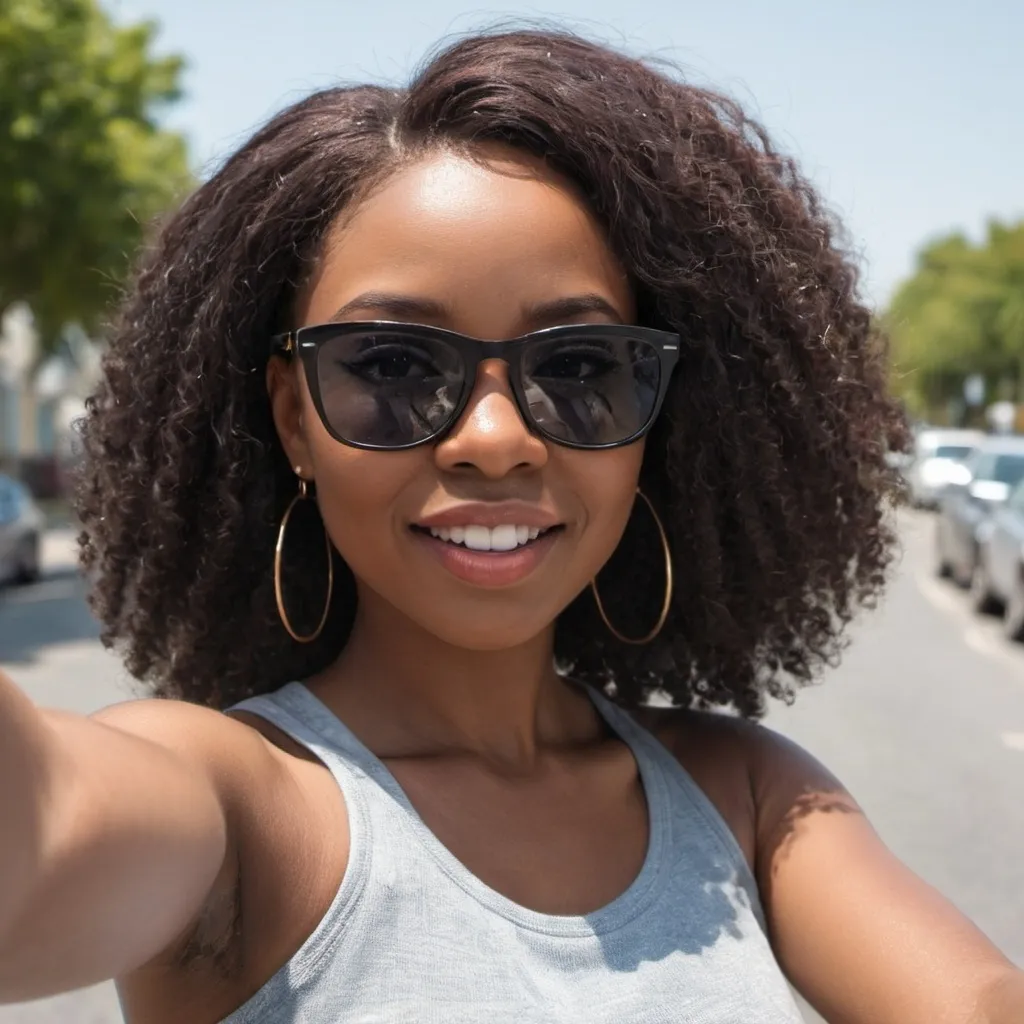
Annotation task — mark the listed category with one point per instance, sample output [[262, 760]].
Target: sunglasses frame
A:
[[306, 343]]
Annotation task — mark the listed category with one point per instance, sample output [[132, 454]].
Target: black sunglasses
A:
[[382, 385]]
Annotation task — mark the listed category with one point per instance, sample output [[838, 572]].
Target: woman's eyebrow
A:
[[411, 307], [396, 306], [570, 306]]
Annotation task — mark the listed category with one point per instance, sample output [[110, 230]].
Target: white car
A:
[[938, 461], [21, 531]]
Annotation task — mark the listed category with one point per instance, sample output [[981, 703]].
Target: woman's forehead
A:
[[459, 231]]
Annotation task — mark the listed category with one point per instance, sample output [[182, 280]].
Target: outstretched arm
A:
[[862, 937], [114, 830]]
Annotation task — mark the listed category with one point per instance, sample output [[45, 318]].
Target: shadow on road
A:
[[52, 611]]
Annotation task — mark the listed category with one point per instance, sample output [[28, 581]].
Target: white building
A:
[[41, 398]]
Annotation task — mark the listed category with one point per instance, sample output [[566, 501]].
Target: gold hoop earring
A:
[[279, 590], [665, 605]]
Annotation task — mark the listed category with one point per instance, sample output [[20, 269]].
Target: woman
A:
[[444, 429]]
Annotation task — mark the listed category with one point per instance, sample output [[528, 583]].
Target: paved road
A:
[[924, 721]]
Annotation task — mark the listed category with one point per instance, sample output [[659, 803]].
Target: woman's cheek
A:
[[361, 496], [606, 482]]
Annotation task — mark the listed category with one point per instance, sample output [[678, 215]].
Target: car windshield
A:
[[1003, 468], [1008, 469], [952, 451]]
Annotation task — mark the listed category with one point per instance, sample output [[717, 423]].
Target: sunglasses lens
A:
[[591, 390], [388, 389]]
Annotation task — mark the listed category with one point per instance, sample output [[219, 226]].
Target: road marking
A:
[[982, 637], [1013, 740], [986, 643]]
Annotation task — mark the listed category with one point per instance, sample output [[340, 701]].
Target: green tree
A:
[[84, 162], [961, 313]]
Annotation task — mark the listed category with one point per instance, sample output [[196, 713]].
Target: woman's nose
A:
[[491, 435]]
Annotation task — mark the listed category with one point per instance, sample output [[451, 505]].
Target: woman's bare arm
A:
[[862, 937], [114, 830]]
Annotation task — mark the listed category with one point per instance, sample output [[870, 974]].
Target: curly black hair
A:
[[767, 465]]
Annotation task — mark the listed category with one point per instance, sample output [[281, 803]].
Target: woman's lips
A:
[[489, 568]]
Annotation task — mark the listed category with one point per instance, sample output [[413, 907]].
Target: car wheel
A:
[[962, 575], [1013, 621], [942, 567], [28, 560], [983, 601]]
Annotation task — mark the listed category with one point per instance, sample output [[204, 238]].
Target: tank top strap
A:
[[689, 801], [301, 716], [361, 776], [296, 711]]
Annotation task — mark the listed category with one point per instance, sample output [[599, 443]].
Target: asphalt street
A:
[[924, 721]]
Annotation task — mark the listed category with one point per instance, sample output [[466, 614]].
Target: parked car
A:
[[21, 531], [984, 484], [937, 460], [998, 582]]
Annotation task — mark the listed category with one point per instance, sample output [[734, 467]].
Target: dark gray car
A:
[[968, 502]]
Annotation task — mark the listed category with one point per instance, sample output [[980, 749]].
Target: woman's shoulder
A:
[[237, 750], [272, 790], [757, 779]]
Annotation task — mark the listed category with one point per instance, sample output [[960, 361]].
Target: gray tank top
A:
[[412, 937]]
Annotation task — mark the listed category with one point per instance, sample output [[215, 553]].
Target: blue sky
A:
[[908, 114]]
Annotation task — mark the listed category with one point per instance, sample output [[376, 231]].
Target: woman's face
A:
[[493, 252]]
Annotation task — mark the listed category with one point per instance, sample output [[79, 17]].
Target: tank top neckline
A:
[[638, 896]]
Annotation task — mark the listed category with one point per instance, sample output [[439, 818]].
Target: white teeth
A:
[[506, 537], [503, 538], [478, 538]]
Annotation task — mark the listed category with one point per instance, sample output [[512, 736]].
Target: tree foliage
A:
[[84, 162], [961, 313]]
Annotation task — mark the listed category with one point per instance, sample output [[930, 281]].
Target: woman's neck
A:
[[403, 691]]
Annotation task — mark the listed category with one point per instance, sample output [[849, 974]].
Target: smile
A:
[[506, 537], [489, 556]]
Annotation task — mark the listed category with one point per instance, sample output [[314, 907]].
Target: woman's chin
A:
[[485, 632]]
